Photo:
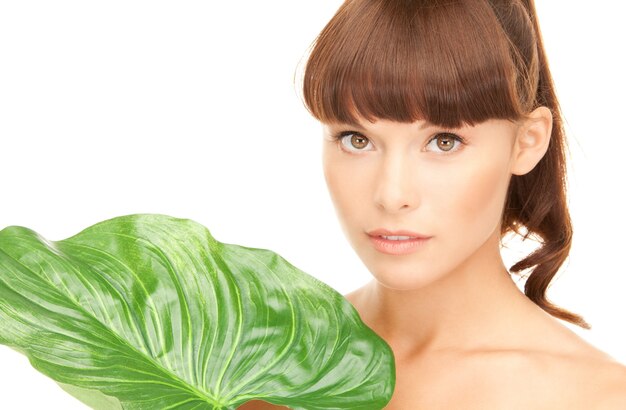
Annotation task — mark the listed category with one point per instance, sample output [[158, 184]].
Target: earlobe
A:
[[532, 141]]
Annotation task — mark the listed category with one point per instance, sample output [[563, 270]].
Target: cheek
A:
[[475, 196], [334, 181], [343, 186]]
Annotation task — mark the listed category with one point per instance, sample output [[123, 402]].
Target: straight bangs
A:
[[446, 62]]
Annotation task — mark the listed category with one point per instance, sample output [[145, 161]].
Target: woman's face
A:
[[421, 178]]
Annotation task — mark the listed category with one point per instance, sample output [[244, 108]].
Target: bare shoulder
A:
[[261, 405], [613, 394], [592, 380], [355, 297]]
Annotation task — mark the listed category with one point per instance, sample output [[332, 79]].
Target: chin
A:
[[403, 280]]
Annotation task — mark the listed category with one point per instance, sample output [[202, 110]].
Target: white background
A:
[[190, 109]]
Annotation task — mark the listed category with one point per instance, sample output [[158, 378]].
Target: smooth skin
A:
[[463, 335]]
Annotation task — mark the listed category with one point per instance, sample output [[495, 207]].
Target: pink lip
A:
[[401, 247], [386, 232]]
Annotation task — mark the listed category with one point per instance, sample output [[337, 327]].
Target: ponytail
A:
[[537, 200]]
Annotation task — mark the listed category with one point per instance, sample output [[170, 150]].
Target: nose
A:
[[395, 189]]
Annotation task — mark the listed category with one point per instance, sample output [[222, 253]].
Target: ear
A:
[[531, 141]]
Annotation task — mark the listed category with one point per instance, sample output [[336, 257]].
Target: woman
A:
[[442, 133]]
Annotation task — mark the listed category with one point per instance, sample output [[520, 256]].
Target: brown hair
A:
[[453, 62]]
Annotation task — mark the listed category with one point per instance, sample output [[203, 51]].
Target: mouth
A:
[[398, 237], [397, 244], [396, 234]]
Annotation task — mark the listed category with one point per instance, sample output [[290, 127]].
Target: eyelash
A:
[[339, 136]]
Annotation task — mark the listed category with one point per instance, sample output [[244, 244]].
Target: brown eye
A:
[[358, 141], [352, 141], [446, 142]]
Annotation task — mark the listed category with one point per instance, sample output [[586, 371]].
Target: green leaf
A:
[[148, 311]]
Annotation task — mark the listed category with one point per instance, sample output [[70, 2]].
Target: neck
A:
[[478, 306]]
